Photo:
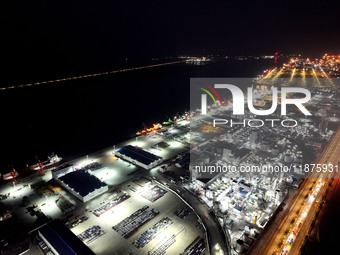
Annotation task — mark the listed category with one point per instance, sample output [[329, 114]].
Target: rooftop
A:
[[138, 154], [63, 240], [82, 182]]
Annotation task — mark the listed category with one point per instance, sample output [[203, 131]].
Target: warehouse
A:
[[61, 240], [62, 170], [139, 156], [83, 185]]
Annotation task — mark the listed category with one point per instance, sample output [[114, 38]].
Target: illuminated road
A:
[[89, 75]]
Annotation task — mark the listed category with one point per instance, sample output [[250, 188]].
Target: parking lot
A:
[[183, 230]]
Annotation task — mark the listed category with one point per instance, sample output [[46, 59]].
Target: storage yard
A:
[[133, 224]]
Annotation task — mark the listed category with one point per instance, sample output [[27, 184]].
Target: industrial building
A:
[[83, 185], [62, 170], [79, 183], [138, 156], [60, 240]]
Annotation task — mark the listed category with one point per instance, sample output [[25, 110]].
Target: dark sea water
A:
[[74, 118]]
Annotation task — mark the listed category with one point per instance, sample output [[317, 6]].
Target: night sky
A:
[[61, 37]]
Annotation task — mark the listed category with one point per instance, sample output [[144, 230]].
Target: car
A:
[[290, 241]]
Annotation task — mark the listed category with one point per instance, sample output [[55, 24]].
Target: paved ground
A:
[[113, 243]]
